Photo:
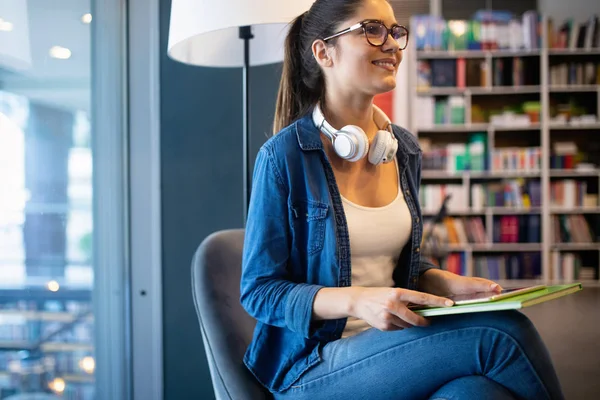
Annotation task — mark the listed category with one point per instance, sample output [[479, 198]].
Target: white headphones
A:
[[351, 142]]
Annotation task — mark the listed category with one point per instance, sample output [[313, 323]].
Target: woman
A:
[[331, 253]]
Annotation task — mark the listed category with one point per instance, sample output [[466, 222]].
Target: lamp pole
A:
[[246, 35]]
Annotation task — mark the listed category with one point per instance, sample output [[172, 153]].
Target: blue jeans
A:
[[492, 355]]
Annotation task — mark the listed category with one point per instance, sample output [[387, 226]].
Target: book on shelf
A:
[[573, 229], [510, 193], [520, 265], [570, 267], [432, 196], [575, 73], [517, 229], [517, 302], [570, 194], [487, 30], [571, 34], [456, 157]]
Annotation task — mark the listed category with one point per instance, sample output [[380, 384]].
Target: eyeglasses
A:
[[377, 33]]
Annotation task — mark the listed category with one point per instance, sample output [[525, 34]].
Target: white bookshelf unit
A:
[[577, 185]]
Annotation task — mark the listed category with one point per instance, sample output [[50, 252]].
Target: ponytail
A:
[[302, 83], [294, 97]]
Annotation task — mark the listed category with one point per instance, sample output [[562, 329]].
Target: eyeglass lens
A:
[[377, 34]]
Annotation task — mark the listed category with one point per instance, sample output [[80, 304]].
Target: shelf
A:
[[487, 210], [455, 128], [454, 213], [431, 174], [573, 52], [431, 54], [495, 247], [514, 210], [573, 88], [577, 210], [507, 247], [575, 246], [478, 128], [565, 127], [574, 173], [492, 90]]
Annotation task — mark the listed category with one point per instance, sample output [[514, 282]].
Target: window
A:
[[46, 218]]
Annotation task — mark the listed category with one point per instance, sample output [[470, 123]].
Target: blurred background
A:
[[503, 95]]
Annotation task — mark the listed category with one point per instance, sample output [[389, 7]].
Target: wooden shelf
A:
[[476, 91], [514, 210], [575, 246], [495, 247], [573, 52], [577, 210], [425, 54], [574, 127], [573, 173], [573, 88], [432, 174], [478, 128]]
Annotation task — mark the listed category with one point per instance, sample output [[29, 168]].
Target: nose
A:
[[390, 45]]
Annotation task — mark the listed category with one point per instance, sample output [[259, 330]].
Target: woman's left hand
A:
[[444, 283]]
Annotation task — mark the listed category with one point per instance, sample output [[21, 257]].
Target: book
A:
[[512, 303]]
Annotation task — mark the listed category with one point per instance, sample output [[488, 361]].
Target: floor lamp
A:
[[218, 34]]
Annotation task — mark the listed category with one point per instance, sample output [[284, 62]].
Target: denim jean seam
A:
[[315, 381]]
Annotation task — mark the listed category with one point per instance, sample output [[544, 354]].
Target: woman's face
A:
[[359, 67]]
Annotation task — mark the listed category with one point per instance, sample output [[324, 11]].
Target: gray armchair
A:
[[226, 327]]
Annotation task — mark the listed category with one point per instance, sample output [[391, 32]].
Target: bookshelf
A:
[[507, 111]]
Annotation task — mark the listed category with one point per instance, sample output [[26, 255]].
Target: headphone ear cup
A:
[[383, 149], [351, 143]]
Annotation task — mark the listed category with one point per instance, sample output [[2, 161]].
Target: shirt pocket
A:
[[309, 218]]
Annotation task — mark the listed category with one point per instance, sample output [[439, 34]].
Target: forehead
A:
[[375, 9]]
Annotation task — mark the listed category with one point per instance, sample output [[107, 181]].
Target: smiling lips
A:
[[388, 64]]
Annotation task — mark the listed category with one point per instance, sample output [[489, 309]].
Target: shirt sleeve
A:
[[267, 293]]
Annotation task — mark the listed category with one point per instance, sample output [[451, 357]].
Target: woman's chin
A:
[[386, 85]]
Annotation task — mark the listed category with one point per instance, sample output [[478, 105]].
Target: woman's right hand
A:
[[386, 308]]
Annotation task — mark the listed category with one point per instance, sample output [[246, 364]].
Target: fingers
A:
[[485, 285], [391, 322], [397, 307], [412, 296]]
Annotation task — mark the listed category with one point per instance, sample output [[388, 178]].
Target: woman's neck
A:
[[340, 112]]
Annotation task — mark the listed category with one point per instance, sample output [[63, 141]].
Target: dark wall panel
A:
[[201, 172]]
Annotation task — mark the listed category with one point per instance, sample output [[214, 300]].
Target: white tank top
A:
[[377, 236]]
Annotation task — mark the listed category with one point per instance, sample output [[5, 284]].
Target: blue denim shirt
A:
[[297, 242]]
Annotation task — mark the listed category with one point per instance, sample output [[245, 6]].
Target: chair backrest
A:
[[226, 327]]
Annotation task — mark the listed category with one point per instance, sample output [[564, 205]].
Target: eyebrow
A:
[[379, 20]]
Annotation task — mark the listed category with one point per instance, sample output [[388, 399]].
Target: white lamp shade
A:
[[206, 32]]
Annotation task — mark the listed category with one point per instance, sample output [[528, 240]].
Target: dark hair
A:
[[302, 84]]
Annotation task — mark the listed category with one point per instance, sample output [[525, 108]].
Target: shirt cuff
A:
[[299, 308]]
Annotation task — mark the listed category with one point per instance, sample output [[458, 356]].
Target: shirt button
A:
[[418, 249], [417, 219]]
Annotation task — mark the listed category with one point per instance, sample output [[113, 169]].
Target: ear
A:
[[322, 53]]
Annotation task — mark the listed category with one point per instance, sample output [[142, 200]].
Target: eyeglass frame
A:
[[362, 24]]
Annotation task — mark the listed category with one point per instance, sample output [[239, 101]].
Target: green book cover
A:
[[511, 303]]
